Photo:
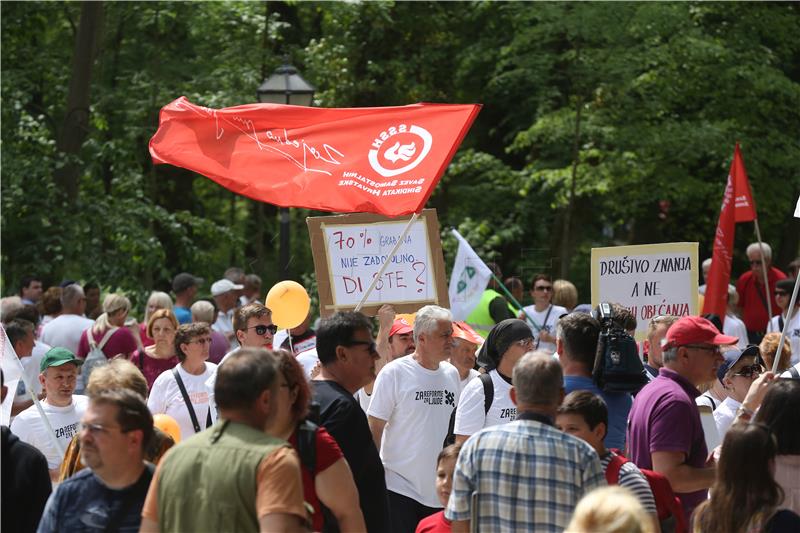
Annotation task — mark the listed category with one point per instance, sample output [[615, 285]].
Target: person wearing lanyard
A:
[[542, 316]]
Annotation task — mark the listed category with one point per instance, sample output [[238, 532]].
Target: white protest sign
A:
[[650, 280], [349, 250]]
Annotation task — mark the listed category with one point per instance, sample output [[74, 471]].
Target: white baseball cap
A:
[[224, 285]]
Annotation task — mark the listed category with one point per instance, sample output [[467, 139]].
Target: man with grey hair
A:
[[664, 429], [528, 476], [752, 294], [65, 330], [409, 415]]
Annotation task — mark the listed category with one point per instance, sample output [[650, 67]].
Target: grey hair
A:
[[538, 379], [754, 247], [70, 295], [733, 295], [428, 319], [203, 311], [161, 299], [670, 355], [706, 264]]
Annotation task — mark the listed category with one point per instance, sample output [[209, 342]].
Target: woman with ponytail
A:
[[108, 332]]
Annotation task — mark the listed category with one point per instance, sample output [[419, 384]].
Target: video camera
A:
[[617, 367]]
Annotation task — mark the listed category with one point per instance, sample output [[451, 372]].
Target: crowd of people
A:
[[205, 417]]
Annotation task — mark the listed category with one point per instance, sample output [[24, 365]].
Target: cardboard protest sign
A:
[[349, 250], [650, 280]]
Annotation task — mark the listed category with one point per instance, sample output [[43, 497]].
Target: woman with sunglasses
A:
[[736, 374], [506, 344], [542, 316], [783, 296], [159, 356], [327, 479], [745, 497], [182, 392]]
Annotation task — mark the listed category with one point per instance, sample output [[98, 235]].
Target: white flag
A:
[[797, 208], [468, 280], [12, 372]]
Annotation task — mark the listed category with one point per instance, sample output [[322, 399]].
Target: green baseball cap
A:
[[57, 357]]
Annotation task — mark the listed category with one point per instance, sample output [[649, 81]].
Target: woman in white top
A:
[[192, 342], [542, 316], [736, 373]]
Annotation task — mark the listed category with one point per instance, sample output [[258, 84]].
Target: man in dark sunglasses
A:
[[736, 374], [253, 326]]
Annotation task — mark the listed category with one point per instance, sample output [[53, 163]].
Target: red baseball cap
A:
[[696, 330], [400, 326], [462, 330]]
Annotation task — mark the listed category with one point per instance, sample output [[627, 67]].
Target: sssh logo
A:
[[399, 149]]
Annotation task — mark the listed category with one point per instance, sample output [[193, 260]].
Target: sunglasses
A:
[[372, 347], [750, 371], [525, 343], [781, 293], [204, 340], [542, 288], [262, 329], [755, 263]]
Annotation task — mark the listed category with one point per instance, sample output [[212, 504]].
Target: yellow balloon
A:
[[168, 425], [289, 303]]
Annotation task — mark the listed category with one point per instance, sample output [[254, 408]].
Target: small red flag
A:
[[384, 160], [737, 206]]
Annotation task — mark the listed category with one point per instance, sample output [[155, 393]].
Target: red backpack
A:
[[670, 510]]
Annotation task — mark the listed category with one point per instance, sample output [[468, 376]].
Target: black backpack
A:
[[488, 399]]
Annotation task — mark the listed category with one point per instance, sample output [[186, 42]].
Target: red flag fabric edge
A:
[[745, 206], [716, 297]]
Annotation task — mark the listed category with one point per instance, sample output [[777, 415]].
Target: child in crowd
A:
[[445, 466]]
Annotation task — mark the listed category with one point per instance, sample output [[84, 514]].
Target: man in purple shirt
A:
[[664, 429]]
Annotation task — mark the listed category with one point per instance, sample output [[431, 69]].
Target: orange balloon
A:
[[289, 303], [168, 425]]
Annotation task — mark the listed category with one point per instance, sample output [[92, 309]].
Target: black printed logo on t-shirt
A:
[[435, 397]]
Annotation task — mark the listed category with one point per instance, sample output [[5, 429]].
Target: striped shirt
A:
[[632, 479], [528, 476]]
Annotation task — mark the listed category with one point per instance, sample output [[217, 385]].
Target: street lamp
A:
[[285, 86]]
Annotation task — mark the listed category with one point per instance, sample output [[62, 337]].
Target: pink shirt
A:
[[152, 367], [122, 341]]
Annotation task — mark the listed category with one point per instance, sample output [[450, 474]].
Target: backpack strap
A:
[[794, 372], [307, 445], [103, 341], [188, 403], [488, 392], [614, 466]]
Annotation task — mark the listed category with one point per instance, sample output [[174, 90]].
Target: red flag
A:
[[384, 160], [737, 206]]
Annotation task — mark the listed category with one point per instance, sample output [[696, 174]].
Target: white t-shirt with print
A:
[[550, 326], [165, 397], [416, 404], [471, 415], [792, 333], [30, 428]]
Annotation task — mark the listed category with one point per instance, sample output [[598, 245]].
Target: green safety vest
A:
[[480, 319], [208, 481]]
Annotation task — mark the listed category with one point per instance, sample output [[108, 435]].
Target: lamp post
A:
[[285, 86]]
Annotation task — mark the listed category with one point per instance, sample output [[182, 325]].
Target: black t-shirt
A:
[[25, 484], [499, 311], [784, 521], [344, 419], [83, 503]]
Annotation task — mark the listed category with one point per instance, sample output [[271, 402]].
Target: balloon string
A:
[[291, 348]]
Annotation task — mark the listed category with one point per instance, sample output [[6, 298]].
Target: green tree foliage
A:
[[602, 124]]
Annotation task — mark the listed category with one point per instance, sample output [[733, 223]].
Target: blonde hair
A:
[[161, 300], [117, 374], [565, 294], [203, 311], [112, 303], [610, 510]]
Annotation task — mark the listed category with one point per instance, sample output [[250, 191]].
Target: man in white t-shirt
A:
[[412, 401], [506, 344], [65, 330], [226, 297], [783, 295], [542, 317], [20, 335], [59, 370]]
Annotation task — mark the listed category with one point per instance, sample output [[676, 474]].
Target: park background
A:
[[602, 124]]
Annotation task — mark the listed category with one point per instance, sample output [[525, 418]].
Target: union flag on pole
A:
[[737, 206], [384, 160]]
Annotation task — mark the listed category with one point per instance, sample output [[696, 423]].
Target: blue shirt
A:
[[83, 503], [183, 315], [528, 476], [618, 403]]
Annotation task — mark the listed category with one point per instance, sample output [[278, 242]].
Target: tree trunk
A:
[[76, 120]]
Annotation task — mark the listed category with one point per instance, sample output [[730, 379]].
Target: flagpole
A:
[[511, 297], [789, 316], [386, 263], [764, 271]]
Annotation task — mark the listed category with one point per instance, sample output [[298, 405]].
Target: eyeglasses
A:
[[203, 340], [94, 429], [525, 343], [372, 347], [755, 262], [262, 329], [781, 293], [713, 349], [750, 371], [543, 288]]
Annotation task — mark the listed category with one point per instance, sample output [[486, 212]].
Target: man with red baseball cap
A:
[[664, 429]]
